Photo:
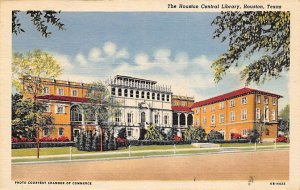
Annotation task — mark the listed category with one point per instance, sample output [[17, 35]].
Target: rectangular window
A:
[[74, 93], [204, 120], [148, 95], [46, 90], [232, 103], [258, 99], [197, 121], [204, 109], [163, 97], [221, 105], [125, 92], [137, 94], [166, 118], [213, 119], [274, 115], [244, 100], [143, 94], [129, 132], [244, 114], [47, 108], [158, 96], [60, 108], [46, 132], [60, 91], [131, 93], [156, 119], [212, 107], [258, 113], [168, 97], [60, 131], [113, 91], [129, 117], [118, 117], [245, 132], [196, 110], [222, 118], [232, 116], [274, 101], [266, 100]]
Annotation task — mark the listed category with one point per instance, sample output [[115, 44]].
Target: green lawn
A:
[[251, 144], [66, 150]]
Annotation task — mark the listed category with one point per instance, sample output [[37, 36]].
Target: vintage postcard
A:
[[178, 94]]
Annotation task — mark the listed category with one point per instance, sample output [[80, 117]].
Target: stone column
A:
[[186, 117], [178, 121], [83, 119]]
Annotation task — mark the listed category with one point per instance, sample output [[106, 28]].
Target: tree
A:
[[193, 133], [214, 135], [249, 33], [153, 133], [284, 121], [28, 69], [40, 19], [261, 126], [24, 114], [101, 106]]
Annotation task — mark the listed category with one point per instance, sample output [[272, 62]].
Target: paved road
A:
[[265, 165]]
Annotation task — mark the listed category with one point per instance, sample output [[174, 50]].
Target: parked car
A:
[[281, 139]]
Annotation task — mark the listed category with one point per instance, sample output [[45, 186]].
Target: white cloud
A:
[[110, 48], [81, 59], [122, 54], [95, 54], [63, 60]]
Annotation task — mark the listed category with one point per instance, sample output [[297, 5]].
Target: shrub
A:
[[214, 135]]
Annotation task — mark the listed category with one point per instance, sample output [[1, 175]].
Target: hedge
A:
[[42, 144]]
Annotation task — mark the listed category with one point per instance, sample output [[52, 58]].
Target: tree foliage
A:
[[24, 114], [153, 133], [249, 33], [40, 19], [284, 121], [193, 133], [214, 135], [34, 66]]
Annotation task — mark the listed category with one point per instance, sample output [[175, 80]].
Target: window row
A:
[[266, 100], [129, 118], [59, 108], [60, 91], [47, 132], [140, 94]]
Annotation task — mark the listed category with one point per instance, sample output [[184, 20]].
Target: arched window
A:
[[153, 96], [76, 116], [131, 93], [148, 95], [119, 92], [143, 117], [125, 92], [113, 91]]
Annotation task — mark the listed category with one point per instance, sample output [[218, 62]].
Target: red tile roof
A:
[[63, 98], [181, 108], [231, 95]]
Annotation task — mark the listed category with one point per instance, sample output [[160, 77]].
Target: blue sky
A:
[[172, 48]]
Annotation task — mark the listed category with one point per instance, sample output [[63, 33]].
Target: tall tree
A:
[[40, 19], [284, 121], [24, 114], [28, 69], [265, 34], [101, 106]]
